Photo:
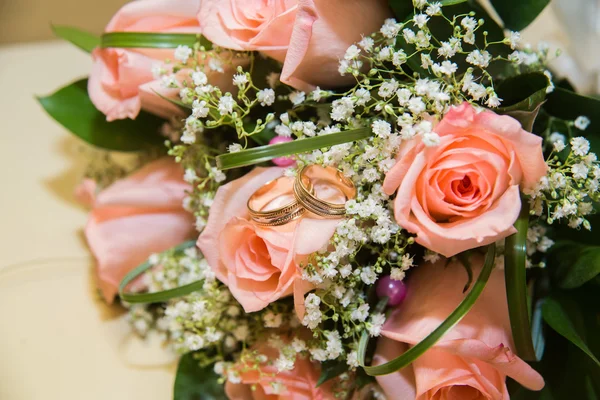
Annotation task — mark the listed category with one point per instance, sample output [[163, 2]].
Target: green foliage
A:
[[194, 382], [573, 264], [568, 105], [518, 14], [84, 40], [331, 369], [71, 107], [523, 96], [560, 313]]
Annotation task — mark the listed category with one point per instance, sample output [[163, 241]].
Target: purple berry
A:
[[282, 161], [394, 290]]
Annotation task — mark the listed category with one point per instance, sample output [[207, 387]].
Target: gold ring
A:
[[304, 190], [268, 193]]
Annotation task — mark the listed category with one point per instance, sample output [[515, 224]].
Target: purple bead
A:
[[394, 290], [282, 161]]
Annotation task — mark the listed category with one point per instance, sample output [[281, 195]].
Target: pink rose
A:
[[464, 193], [259, 264], [473, 359], [121, 81], [298, 384], [135, 217], [308, 36]]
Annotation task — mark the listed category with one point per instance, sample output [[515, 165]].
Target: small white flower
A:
[[420, 20], [579, 171], [515, 57], [431, 139], [266, 97], [297, 97], [352, 359], [580, 146], [448, 67], [389, 29], [361, 313], [217, 174], [215, 65], [381, 128], [469, 23], [283, 130], [434, 9], [493, 100], [376, 322], [362, 96], [190, 176], [409, 35], [416, 105], [398, 58], [240, 80], [479, 58], [226, 104], [199, 109], [419, 4], [387, 88], [352, 53], [426, 61], [558, 146], [182, 53], [513, 39], [367, 43], [582, 122]]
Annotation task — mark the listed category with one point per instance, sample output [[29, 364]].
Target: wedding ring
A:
[[304, 190], [269, 193]]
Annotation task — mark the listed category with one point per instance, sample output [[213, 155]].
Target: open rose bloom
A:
[[320, 190]]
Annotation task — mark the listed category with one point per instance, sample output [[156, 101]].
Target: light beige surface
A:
[[27, 20], [58, 341]]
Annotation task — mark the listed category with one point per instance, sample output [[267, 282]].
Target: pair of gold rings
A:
[[264, 210]]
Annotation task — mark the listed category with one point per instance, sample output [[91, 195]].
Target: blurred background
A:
[[571, 25], [29, 20]]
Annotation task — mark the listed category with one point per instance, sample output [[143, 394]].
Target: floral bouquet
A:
[[343, 199]]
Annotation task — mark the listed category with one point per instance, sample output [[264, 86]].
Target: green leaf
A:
[[417, 350], [402, 9], [523, 96], [518, 14], [84, 40], [153, 40], [157, 297], [569, 105], [71, 107], [556, 316], [260, 154], [331, 369], [515, 255], [193, 382], [573, 264]]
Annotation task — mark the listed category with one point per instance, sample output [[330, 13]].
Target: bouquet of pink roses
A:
[[344, 199]]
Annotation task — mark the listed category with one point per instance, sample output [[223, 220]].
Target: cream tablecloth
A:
[[57, 339]]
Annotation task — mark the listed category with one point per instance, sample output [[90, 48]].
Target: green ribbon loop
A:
[[417, 350], [157, 297], [152, 40], [515, 257]]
